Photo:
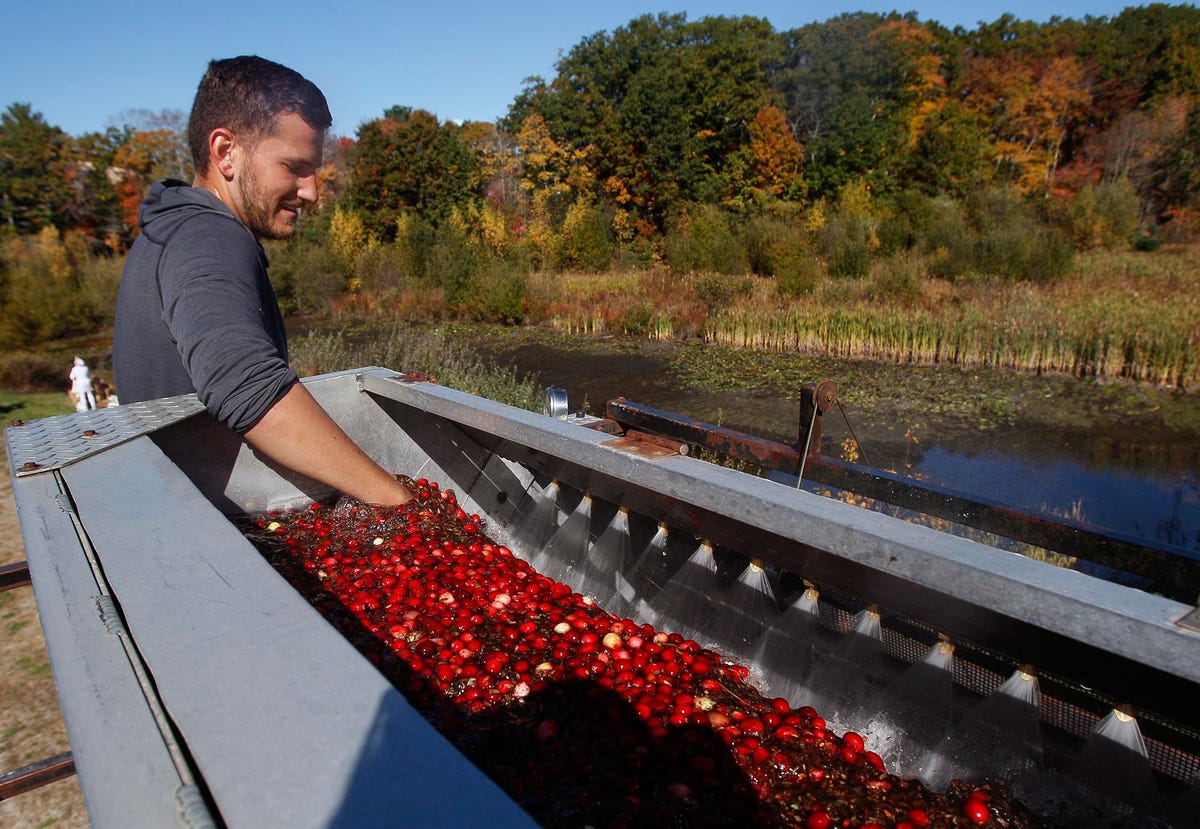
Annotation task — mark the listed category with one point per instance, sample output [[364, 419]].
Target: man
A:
[[195, 310]]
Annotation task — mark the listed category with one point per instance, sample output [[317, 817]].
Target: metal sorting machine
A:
[[200, 689]]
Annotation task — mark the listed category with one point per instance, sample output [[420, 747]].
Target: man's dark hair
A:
[[244, 95]]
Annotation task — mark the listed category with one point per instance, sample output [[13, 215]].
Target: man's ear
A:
[[220, 151]]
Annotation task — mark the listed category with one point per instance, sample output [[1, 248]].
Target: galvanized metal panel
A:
[[288, 725], [125, 769], [967, 588]]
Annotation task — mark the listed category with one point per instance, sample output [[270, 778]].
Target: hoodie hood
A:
[[172, 202]]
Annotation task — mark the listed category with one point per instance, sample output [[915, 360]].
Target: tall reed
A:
[[1117, 316]]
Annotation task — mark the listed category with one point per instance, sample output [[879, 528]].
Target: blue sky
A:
[[83, 63]]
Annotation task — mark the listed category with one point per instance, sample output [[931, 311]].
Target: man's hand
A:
[[297, 433]]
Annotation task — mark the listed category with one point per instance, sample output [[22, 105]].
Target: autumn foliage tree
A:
[[643, 129]]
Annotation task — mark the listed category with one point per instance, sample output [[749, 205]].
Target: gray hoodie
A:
[[196, 312]]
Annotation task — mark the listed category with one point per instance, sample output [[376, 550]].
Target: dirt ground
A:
[[31, 726]]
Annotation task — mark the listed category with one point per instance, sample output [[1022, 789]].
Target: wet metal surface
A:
[[1175, 572]]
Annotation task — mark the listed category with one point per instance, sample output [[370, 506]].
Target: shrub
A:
[[41, 281], [796, 267], [413, 245], [1121, 209], [29, 371], [428, 350], [452, 263], [845, 244], [1105, 216], [898, 279], [306, 277], [702, 240], [99, 278], [1050, 257], [758, 236], [1010, 243], [920, 221], [583, 242], [500, 291], [638, 318], [372, 271], [347, 238], [848, 238], [716, 290]]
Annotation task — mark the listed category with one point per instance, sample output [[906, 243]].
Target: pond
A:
[[1117, 456]]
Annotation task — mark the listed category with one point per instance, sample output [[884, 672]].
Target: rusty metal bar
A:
[[676, 446], [1175, 572], [14, 575], [36, 775], [738, 445]]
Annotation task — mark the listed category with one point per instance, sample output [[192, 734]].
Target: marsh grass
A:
[[1123, 315]]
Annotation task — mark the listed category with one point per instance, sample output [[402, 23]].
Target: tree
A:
[[166, 151], [97, 207], [858, 89], [38, 164], [778, 157], [410, 163], [951, 154], [658, 107], [142, 159], [1032, 106]]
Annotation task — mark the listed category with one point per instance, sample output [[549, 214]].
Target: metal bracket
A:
[[1191, 621], [651, 447]]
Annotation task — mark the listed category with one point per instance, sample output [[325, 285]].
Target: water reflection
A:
[[1164, 508]]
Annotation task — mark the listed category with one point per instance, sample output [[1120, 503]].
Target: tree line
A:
[[720, 145]]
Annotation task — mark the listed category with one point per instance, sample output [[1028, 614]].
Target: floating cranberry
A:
[[918, 817], [874, 760], [818, 819], [976, 811]]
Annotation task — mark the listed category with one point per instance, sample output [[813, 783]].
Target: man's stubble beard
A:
[[258, 209]]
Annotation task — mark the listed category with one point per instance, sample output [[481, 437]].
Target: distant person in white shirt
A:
[[81, 386]]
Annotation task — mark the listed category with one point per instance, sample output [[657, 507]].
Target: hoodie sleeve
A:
[[214, 294]]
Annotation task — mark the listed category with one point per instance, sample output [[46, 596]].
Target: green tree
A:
[[38, 166], [951, 154], [658, 106], [408, 161], [857, 88]]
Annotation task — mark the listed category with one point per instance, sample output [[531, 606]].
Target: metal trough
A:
[[199, 689]]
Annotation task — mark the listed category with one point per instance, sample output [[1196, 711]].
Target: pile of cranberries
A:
[[584, 718]]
